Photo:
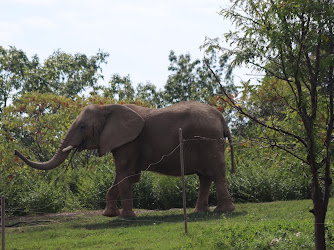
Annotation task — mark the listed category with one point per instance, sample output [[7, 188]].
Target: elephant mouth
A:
[[81, 146], [78, 148]]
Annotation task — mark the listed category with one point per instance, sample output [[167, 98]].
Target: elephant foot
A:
[[224, 208], [199, 209], [110, 212], [128, 214]]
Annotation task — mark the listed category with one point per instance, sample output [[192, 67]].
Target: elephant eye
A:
[[82, 127]]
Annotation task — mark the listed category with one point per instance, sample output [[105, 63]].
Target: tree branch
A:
[[290, 152], [241, 111], [270, 72]]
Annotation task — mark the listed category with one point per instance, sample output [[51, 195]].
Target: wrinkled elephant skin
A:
[[143, 139]]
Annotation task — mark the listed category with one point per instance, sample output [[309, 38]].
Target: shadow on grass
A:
[[85, 220], [149, 219]]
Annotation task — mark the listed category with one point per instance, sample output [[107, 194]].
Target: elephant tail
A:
[[227, 133], [232, 153]]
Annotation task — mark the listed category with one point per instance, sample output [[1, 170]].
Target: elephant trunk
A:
[[58, 158]]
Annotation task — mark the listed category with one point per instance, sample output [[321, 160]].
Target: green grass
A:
[[276, 225]]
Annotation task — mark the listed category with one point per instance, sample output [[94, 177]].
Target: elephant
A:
[[142, 138]]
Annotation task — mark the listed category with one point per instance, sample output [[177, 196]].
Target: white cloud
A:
[[29, 2], [38, 22], [8, 31]]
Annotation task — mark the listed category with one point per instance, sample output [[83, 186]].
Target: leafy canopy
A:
[[191, 80], [61, 73]]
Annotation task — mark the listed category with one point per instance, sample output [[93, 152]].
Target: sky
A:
[[138, 35]]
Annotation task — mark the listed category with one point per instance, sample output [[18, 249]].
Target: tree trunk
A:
[[319, 212], [319, 230]]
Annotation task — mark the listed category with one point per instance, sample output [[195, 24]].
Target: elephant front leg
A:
[[125, 189], [111, 209], [224, 200]]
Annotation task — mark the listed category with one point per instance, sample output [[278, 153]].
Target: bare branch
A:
[[241, 111], [290, 152], [281, 147], [270, 72]]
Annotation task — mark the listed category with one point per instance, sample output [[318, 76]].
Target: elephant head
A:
[[97, 127]]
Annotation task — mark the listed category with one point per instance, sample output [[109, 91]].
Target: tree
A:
[[120, 88], [190, 80], [292, 42], [148, 93], [13, 64], [62, 73]]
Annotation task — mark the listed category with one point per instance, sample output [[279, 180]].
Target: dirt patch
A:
[[43, 217]]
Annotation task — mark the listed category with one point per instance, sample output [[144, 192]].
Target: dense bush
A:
[[85, 187], [76, 188], [264, 184], [265, 174]]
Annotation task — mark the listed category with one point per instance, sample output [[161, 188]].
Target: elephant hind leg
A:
[[202, 204], [224, 200]]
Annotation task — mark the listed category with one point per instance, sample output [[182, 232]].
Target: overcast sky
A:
[[138, 34]]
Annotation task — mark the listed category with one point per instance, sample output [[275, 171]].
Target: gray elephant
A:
[[142, 139]]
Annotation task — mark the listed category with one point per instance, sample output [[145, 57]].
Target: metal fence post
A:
[[183, 182]]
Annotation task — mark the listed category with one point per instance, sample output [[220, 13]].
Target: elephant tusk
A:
[[68, 148]]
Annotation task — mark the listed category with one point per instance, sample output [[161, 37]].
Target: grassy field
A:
[[276, 225]]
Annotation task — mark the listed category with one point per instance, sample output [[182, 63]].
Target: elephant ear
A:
[[122, 126]]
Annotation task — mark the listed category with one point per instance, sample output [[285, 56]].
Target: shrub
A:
[[264, 175]]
